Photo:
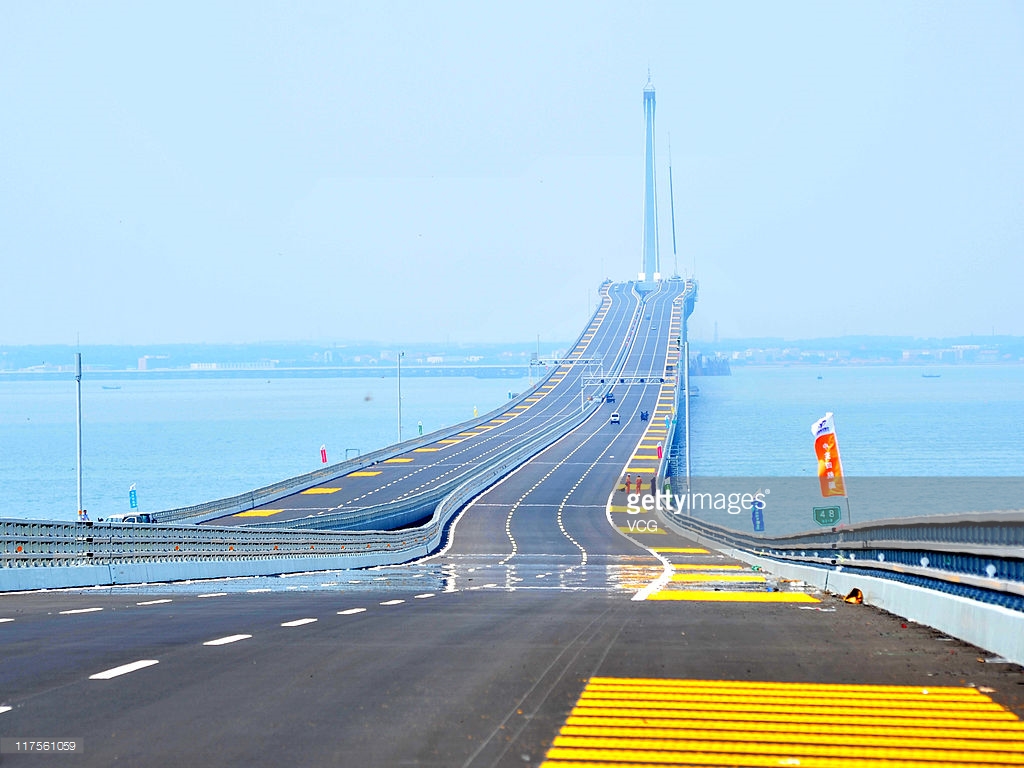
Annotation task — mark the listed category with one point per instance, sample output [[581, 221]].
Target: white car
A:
[[615, 418]]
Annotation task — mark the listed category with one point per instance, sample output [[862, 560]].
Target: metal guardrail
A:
[[983, 550], [670, 436]]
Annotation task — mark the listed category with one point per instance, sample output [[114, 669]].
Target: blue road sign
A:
[[757, 515], [133, 498]]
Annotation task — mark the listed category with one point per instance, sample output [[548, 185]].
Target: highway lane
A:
[[421, 469], [550, 518]]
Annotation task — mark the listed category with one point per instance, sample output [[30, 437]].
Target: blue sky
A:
[[471, 171]]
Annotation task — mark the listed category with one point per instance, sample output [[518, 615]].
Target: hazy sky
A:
[[425, 171]]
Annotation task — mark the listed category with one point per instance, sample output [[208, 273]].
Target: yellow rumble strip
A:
[[689, 577], [258, 513], [633, 722], [714, 596], [320, 490]]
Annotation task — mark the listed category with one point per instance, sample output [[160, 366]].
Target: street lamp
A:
[[400, 356], [78, 421]]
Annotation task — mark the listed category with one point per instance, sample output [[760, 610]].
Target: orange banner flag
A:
[[826, 448]]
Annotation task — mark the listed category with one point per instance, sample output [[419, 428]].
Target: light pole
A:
[[400, 356], [78, 414]]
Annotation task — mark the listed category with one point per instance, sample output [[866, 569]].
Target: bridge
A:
[[490, 595]]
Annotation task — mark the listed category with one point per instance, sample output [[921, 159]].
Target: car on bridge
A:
[[615, 418], [141, 517]]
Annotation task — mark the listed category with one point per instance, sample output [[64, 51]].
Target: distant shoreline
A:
[[342, 372]]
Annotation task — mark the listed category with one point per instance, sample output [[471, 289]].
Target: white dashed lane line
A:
[[213, 594], [155, 602], [298, 622], [80, 610], [228, 639], [392, 602], [124, 669], [4, 621], [350, 611], [424, 596], [5, 709]]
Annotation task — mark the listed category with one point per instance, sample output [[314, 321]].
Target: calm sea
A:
[[192, 440], [949, 441], [186, 441]]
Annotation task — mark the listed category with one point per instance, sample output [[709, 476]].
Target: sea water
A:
[[190, 440], [186, 441], [911, 441]]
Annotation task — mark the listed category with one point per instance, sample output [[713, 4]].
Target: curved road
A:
[[421, 470]]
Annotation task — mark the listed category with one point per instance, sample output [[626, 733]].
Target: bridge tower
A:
[[651, 267]]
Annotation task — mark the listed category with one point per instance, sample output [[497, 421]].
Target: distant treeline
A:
[[265, 355]]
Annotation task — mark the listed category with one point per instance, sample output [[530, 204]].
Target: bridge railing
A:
[[983, 550]]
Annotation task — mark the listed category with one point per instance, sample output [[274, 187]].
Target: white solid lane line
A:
[[213, 594], [392, 602], [350, 611], [298, 622], [80, 610], [155, 602], [228, 639], [124, 669]]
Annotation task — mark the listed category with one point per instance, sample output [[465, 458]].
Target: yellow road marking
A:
[[682, 551], [645, 457], [364, 473], [425, 450], [691, 566], [711, 596], [689, 577], [401, 460], [630, 723], [258, 513], [320, 490], [449, 441]]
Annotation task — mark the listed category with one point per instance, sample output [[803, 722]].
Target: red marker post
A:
[[659, 450], [323, 454]]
